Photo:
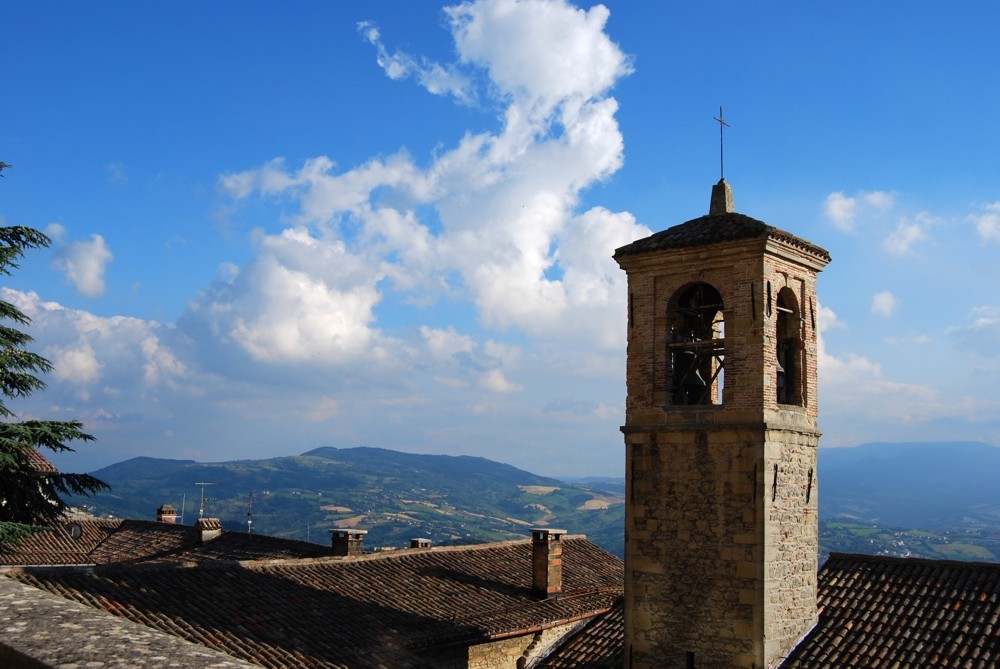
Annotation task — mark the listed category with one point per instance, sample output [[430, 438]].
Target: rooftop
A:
[[387, 609], [721, 224], [102, 542]]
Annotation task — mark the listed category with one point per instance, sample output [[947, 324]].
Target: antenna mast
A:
[[250, 515], [201, 509]]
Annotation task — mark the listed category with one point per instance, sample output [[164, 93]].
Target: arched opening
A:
[[697, 345], [788, 350]]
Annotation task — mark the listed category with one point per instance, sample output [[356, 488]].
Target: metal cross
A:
[[722, 124]]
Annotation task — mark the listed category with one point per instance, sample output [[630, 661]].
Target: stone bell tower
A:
[[720, 437]]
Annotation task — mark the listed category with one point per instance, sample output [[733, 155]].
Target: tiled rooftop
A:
[[875, 611], [715, 229], [108, 541], [35, 460], [903, 612], [596, 646], [376, 610]]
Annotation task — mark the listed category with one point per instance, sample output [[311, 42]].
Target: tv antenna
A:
[[250, 515], [201, 508], [722, 124]]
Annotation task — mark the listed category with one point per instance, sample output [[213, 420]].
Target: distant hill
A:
[[934, 486], [867, 495], [395, 496]]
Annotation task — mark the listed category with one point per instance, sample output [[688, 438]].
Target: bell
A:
[[692, 378]]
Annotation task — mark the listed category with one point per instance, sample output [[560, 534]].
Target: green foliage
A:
[[30, 496]]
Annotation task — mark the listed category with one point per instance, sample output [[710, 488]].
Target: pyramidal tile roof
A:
[[716, 229]]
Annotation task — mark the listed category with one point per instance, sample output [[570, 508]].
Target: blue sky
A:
[[278, 227]]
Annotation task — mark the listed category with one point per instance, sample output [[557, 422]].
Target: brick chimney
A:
[[420, 543], [208, 529], [546, 562], [347, 542], [166, 514]]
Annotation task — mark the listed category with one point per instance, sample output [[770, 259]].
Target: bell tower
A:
[[720, 436]]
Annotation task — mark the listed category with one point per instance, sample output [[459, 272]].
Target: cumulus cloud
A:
[[495, 381], [506, 280], [83, 263], [493, 219], [844, 210], [884, 304], [988, 222], [108, 372], [76, 364], [302, 299]]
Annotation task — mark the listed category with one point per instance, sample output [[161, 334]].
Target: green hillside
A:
[[395, 496]]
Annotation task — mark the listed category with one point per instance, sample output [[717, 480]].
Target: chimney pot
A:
[[166, 514], [546, 561], [208, 529], [420, 543], [347, 542]]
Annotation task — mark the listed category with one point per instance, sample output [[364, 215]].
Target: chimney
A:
[[546, 562], [420, 543], [347, 542], [166, 514], [208, 529]]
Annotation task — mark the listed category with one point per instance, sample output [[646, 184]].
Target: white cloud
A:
[[539, 53], [495, 381], [303, 299], [982, 336], [55, 231], [436, 78], [988, 222], [83, 263], [444, 344], [844, 210], [884, 304], [76, 364], [507, 281], [492, 219]]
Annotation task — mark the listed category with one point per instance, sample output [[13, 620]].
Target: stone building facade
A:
[[720, 436]]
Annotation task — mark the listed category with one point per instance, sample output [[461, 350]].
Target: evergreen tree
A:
[[30, 493]]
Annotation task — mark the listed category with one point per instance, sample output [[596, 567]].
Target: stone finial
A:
[[722, 199]]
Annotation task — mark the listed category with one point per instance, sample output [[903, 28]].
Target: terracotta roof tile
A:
[[911, 611], [875, 611], [38, 462], [598, 645], [388, 609], [108, 541]]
